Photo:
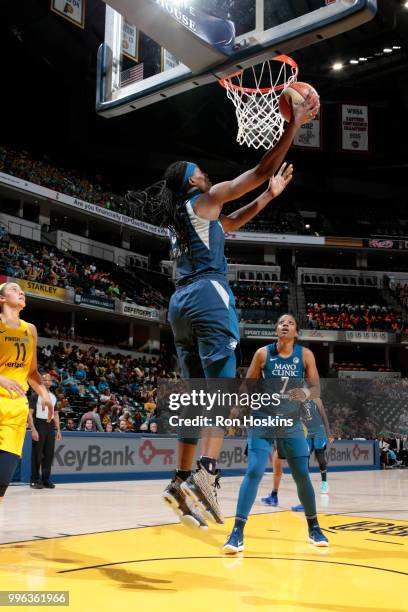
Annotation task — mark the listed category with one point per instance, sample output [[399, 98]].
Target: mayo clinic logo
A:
[[148, 451]]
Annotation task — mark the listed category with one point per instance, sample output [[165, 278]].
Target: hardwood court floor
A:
[[116, 546]]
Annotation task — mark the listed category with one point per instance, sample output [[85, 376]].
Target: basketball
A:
[[295, 92]]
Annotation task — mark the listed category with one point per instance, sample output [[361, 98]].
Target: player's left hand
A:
[[47, 403], [280, 180], [297, 394]]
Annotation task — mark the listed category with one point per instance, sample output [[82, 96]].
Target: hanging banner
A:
[[309, 135], [72, 10], [140, 312], [364, 336], [39, 289], [129, 41], [95, 300], [169, 60], [354, 127]]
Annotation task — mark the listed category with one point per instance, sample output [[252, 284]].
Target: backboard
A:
[[155, 49]]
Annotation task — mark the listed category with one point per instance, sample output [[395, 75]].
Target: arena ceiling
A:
[[48, 68]]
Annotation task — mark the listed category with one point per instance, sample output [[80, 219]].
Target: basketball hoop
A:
[[257, 106]]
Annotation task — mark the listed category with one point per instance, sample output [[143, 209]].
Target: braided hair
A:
[[162, 205]]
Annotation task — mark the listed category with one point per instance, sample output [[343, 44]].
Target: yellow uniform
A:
[[16, 351]]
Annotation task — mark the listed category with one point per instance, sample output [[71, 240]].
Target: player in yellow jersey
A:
[[18, 369]]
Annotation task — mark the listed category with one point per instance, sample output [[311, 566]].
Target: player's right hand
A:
[[12, 386], [303, 113]]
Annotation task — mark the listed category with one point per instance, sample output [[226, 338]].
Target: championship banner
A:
[[169, 61], [129, 41], [309, 135], [94, 300], [354, 127], [72, 10], [38, 289]]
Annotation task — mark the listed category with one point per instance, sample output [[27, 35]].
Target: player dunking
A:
[[318, 434], [202, 311], [18, 369], [276, 361]]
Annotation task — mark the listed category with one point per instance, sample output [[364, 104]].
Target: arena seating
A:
[[260, 302], [112, 384], [350, 308], [285, 217], [24, 258]]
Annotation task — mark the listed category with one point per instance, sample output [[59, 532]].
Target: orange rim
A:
[[285, 59]]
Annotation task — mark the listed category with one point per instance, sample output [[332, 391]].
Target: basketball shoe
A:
[[324, 487], [235, 542], [188, 515], [271, 500], [317, 537], [201, 487]]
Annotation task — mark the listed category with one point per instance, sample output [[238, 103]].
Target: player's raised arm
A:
[[277, 184], [224, 192]]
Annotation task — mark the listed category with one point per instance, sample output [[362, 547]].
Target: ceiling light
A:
[[396, 47], [337, 66], [387, 50], [406, 5], [362, 59], [353, 61]]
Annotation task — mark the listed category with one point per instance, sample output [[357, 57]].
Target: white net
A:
[[260, 123]]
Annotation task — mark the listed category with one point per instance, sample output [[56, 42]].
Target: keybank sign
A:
[[93, 456], [79, 454]]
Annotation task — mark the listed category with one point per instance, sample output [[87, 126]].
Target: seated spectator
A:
[[70, 425], [88, 425], [94, 417]]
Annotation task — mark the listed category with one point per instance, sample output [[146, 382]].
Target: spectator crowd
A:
[[105, 392], [359, 317], [32, 261]]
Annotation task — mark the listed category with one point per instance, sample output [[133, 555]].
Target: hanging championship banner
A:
[[72, 10], [169, 61], [309, 135], [129, 41], [354, 127]]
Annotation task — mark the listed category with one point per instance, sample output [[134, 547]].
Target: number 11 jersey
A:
[[16, 351]]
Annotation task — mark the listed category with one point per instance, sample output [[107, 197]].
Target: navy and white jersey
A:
[[206, 257], [287, 373], [312, 419]]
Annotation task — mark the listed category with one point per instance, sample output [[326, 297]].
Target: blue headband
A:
[[188, 173]]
